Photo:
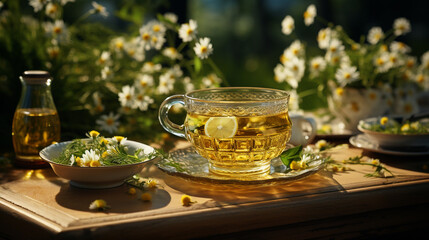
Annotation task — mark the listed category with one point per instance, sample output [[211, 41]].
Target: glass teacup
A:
[[238, 129]]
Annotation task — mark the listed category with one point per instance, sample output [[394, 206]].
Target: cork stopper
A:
[[35, 76]]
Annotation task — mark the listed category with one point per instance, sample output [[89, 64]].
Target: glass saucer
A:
[[188, 164]]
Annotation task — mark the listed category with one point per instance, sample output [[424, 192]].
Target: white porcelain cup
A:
[[304, 129]]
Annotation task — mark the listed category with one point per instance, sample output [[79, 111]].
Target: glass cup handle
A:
[[313, 132], [166, 123]]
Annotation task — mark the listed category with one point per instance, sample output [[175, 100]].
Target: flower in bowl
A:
[[391, 134], [98, 162]]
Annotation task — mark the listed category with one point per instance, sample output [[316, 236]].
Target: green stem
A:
[[218, 72]]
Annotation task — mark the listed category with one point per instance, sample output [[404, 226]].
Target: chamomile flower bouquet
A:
[[111, 80], [372, 76]]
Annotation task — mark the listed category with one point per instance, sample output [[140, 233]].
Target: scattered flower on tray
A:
[[99, 204], [186, 200], [146, 197]]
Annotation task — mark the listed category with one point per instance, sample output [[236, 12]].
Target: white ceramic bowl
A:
[[411, 142], [95, 177]]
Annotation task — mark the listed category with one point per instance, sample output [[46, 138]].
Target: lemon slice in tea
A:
[[221, 127]]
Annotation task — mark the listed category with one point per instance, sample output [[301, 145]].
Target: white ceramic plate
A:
[[364, 142], [95, 177]]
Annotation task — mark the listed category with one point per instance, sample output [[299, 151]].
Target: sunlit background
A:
[[246, 36]]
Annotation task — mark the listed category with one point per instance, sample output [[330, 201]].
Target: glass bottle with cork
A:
[[36, 123]]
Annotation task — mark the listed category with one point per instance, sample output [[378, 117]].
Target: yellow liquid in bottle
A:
[[33, 129]]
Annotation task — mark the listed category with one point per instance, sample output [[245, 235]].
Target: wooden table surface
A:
[[36, 204]]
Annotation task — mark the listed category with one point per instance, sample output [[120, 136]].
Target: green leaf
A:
[[292, 154], [197, 64]]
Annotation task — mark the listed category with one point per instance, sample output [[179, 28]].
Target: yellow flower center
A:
[[420, 78], [316, 65], [339, 91], [307, 15], [203, 49], [57, 30], [347, 75], [355, 106], [156, 28], [384, 120], [109, 122], [145, 36], [189, 31]]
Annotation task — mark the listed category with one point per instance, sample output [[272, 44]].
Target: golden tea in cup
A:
[[239, 130]]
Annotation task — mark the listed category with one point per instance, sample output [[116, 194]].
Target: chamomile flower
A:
[[150, 67], [382, 63], [51, 10], [99, 9], [135, 50], [188, 85], [210, 81], [151, 183], [106, 73], [157, 41], [401, 26], [99, 204], [324, 37], [425, 61], [309, 15], [372, 95], [279, 73], [288, 25], [346, 74], [146, 197], [104, 58], [145, 37], [186, 200], [188, 31], [90, 159], [64, 2], [144, 81], [53, 51], [203, 48], [171, 17], [157, 27], [57, 30], [407, 106], [422, 79], [395, 60], [117, 44], [171, 53], [296, 49], [126, 96], [335, 46], [399, 47], [317, 64], [384, 120], [166, 84], [375, 34], [294, 71], [38, 4], [142, 101], [293, 101], [119, 140], [108, 122]]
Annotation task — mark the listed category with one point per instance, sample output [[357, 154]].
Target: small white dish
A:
[[392, 141], [364, 142], [95, 177]]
